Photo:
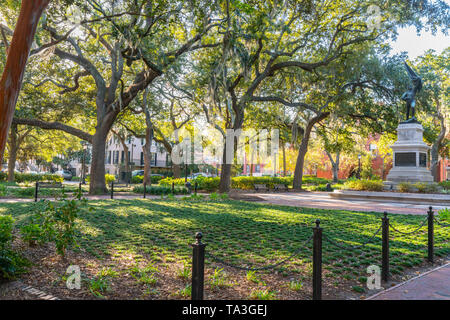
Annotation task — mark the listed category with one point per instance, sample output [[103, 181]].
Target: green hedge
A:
[[159, 190], [364, 185], [140, 179], [248, 183], [445, 185], [28, 177], [244, 182]]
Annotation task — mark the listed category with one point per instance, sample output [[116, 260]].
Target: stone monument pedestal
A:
[[410, 156]]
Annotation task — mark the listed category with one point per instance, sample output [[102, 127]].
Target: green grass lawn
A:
[[245, 233]]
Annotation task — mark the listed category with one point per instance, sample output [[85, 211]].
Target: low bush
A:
[[444, 214], [140, 179], [248, 183], [28, 177], [11, 262], [405, 187], [445, 185], [243, 182], [160, 190], [53, 222], [364, 185], [424, 187], [207, 184], [108, 178]]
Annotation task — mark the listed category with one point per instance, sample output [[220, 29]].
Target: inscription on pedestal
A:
[[405, 159], [423, 160]]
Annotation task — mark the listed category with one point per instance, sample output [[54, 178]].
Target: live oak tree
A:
[[123, 47], [433, 103], [17, 56], [265, 41]]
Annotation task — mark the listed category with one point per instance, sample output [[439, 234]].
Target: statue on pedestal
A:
[[410, 95]]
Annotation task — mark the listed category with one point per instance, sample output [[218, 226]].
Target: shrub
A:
[[445, 185], [405, 187], [140, 179], [444, 214], [364, 185], [248, 183], [168, 181], [108, 178], [28, 177], [33, 233], [207, 184], [423, 187], [160, 190], [54, 222], [11, 262]]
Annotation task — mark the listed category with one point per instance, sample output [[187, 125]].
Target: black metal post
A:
[[112, 189], [36, 191], [431, 235], [79, 189], [173, 187], [145, 189], [195, 187], [198, 268], [385, 248], [317, 261]]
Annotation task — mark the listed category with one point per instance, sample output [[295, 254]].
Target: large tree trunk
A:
[[10, 83], [435, 148], [334, 165], [298, 173], [176, 171], [148, 156], [12, 151], [225, 178], [225, 172], [97, 184]]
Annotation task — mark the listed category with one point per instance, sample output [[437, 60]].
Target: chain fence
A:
[[441, 224], [199, 253], [340, 246], [268, 267], [414, 231]]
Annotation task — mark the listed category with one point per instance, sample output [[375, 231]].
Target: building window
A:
[[123, 157], [116, 157], [142, 141], [258, 168], [153, 160], [108, 161], [142, 158]]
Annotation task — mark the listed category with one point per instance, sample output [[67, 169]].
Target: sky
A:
[[415, 45]]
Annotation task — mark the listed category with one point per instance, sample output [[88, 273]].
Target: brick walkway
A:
[[322, 200], [319, 200], [432, 285]]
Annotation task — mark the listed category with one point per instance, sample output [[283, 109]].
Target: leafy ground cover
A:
[[140, 249]]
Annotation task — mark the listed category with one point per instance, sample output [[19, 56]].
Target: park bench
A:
[[280, 187], [117, 184], [261, 187], [46, 185]]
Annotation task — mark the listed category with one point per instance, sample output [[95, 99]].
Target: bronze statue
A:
[[410, 95]]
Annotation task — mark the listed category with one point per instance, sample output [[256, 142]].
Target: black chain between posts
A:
[[296, 252], [352, 247], [441, 224], [407, 233]]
